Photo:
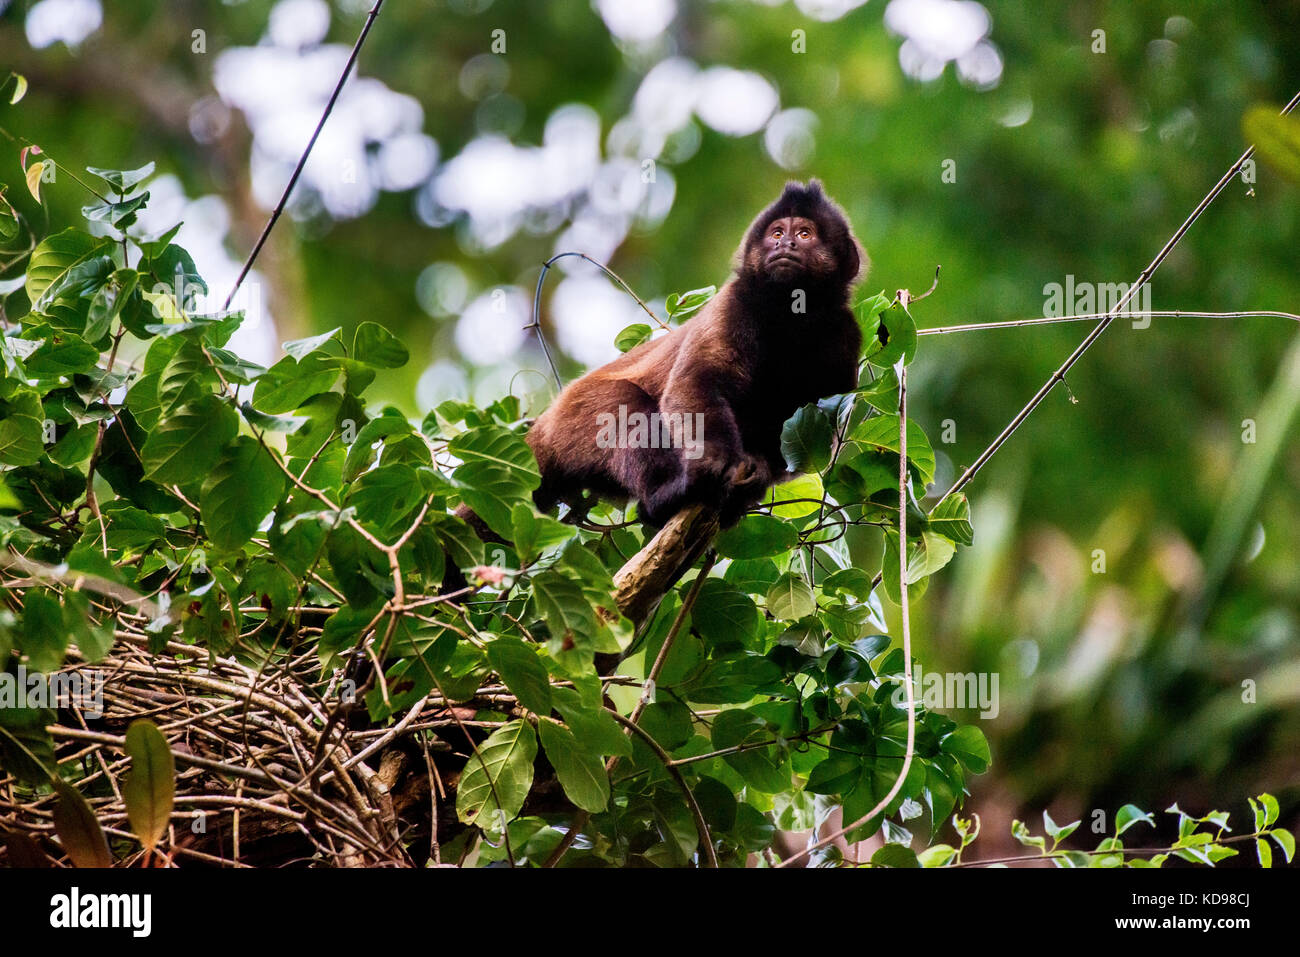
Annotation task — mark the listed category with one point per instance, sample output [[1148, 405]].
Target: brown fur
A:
[[746, 361]]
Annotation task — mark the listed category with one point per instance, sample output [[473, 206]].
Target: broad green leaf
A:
[[376, 346], [123, 180], [56, 255], [150, 785], [523, 673], [1265, 853], [632, 336], [969, 746], [44, 639], [757, 536], [592, 725], [723, 614], [579, 768], [802, 495], [806, 439], [301, 348], [535, 533], [682, 305], [22, 428], [1129, 815], [187, 445], [1285, 840], [762, 768], [951, 519], [790, 598], [497, 778], [63, 355], [881, 431], [569, 615], [241, 490], [291, 382], [895, 855]]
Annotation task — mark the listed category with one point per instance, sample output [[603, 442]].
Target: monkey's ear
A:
[[853, 259]]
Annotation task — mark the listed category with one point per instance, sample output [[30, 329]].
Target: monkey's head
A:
[[802, 238]]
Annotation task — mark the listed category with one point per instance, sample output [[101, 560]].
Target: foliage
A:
[[239, 499]]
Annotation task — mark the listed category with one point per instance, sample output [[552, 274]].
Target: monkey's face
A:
[[792, 248]]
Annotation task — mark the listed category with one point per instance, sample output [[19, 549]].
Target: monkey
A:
[[695, 415]]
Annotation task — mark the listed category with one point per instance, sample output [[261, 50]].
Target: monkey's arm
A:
[[715, 468]]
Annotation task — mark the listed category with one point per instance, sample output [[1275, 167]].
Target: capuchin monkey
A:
[[695, 415]]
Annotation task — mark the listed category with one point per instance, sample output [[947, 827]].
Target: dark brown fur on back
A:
[[777, 336]]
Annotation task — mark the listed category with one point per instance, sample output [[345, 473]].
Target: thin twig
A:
[[302, 160], [1082, 317], [1116, 310]]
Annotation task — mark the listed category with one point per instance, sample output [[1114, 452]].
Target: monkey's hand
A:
[[748, 478]]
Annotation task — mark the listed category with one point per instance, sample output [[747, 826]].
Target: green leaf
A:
[[56, 255], [937, 855], [790, 598], [757, 536], [807, 489], [43, 639], [681, 306], [580, 769], [806, 439], [1058, 832], [107, 303], [723, 614], [881, 431], [969, 746], [62, 355], [762, 768], [376, 346], [1270, 806], [497, 471], [123, 180], [867, 312], [895, 855], [496, 779], [1285, 840], [301, 348], [241, 490], [120, 214], [291, 382], [1021, 833], [569, 615], [150, 785], [22, 428], [386, 496], [1129, 815], [1265, 853], [187, 445], [535, 533], [523, 673], [1276, 138], [593, 726], [897, 335], [632, 336], [951, 519], [78, 830]]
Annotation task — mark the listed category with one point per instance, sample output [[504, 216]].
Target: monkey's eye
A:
[[805, 233], [778, 233]]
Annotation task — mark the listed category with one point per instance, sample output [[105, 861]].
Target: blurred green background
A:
[[480, 137]]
